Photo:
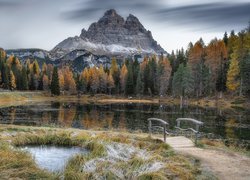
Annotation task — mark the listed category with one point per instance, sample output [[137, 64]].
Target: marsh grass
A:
[[16, 164], [136, 167]]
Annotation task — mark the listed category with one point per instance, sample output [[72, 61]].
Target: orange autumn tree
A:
[[69, 82], [123, 77]]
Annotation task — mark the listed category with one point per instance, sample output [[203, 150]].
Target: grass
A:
[[220, 145], [136, 166], [16, 164]]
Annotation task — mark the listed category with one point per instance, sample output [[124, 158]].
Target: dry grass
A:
[[220, 145], [174, 165], [15, 164]]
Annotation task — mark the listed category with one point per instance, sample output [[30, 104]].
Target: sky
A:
[[173, 23]]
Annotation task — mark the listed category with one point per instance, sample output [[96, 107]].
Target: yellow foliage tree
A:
[[123, 77], [12, 81], [233, 75]]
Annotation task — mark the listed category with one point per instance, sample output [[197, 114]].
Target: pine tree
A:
[[129, 88], [225, 38], [5, 76], [245, 71], [139, 84], [182, 82], [222, 78], [55, 88], [114, 71], [24, 79], [233, 75]]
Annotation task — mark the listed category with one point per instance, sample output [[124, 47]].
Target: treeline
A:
[[202, 70]]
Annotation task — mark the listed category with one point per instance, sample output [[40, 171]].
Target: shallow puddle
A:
[[53, 158]]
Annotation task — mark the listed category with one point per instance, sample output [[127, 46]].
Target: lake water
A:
[[227, 124], [53, 158]]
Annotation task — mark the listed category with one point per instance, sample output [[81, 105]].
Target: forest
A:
[[222, 66]]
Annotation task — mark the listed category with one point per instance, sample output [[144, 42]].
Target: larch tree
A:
[[12, 82], [123, 77], [103, 80], [216, 53], [233, 74], [164, 74], [94, 80], [111, 83], [45, 82]]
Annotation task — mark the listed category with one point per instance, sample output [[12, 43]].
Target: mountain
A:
[[24, 54], [111, 35]]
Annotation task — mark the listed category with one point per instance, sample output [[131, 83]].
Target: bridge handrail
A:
[[159, 120], [164, 124], [190, 119], [196, 122]]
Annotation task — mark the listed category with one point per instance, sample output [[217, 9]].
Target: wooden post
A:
[[149, 127], [164, 133]]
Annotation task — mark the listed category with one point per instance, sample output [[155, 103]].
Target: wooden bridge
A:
[[175, 141]]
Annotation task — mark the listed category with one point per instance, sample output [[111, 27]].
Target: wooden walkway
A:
[[179, 142]]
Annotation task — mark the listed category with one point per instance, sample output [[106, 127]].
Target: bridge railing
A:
[[194, 121], [162, 126]]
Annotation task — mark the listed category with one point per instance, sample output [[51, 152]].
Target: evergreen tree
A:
[[32, 82], [139, 84], [114, 71], [24, 79], [129, 88], [55, 88], [182, 82], [5, 77], [221, 78], [245, 71], [225, 38]]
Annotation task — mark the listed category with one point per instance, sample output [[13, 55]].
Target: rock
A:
[[112, 35]]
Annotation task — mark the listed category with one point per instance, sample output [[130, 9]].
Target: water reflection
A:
[[233, 124]]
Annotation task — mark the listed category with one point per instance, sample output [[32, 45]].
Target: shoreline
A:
[[15, 98]]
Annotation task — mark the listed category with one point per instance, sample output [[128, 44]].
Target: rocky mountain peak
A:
[[113, 35], [111, 12]]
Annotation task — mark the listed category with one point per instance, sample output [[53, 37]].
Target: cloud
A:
[[90, 8], [8, 4], [215, 16]]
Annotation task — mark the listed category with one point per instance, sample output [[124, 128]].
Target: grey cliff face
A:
[[112, 35]]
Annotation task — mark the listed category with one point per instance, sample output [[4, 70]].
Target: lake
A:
[[53, 158], [233, 124]]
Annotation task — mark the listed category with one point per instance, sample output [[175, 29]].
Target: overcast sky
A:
[[45, 23]]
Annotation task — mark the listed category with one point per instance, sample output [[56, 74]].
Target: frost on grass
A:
[[122, 161]]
